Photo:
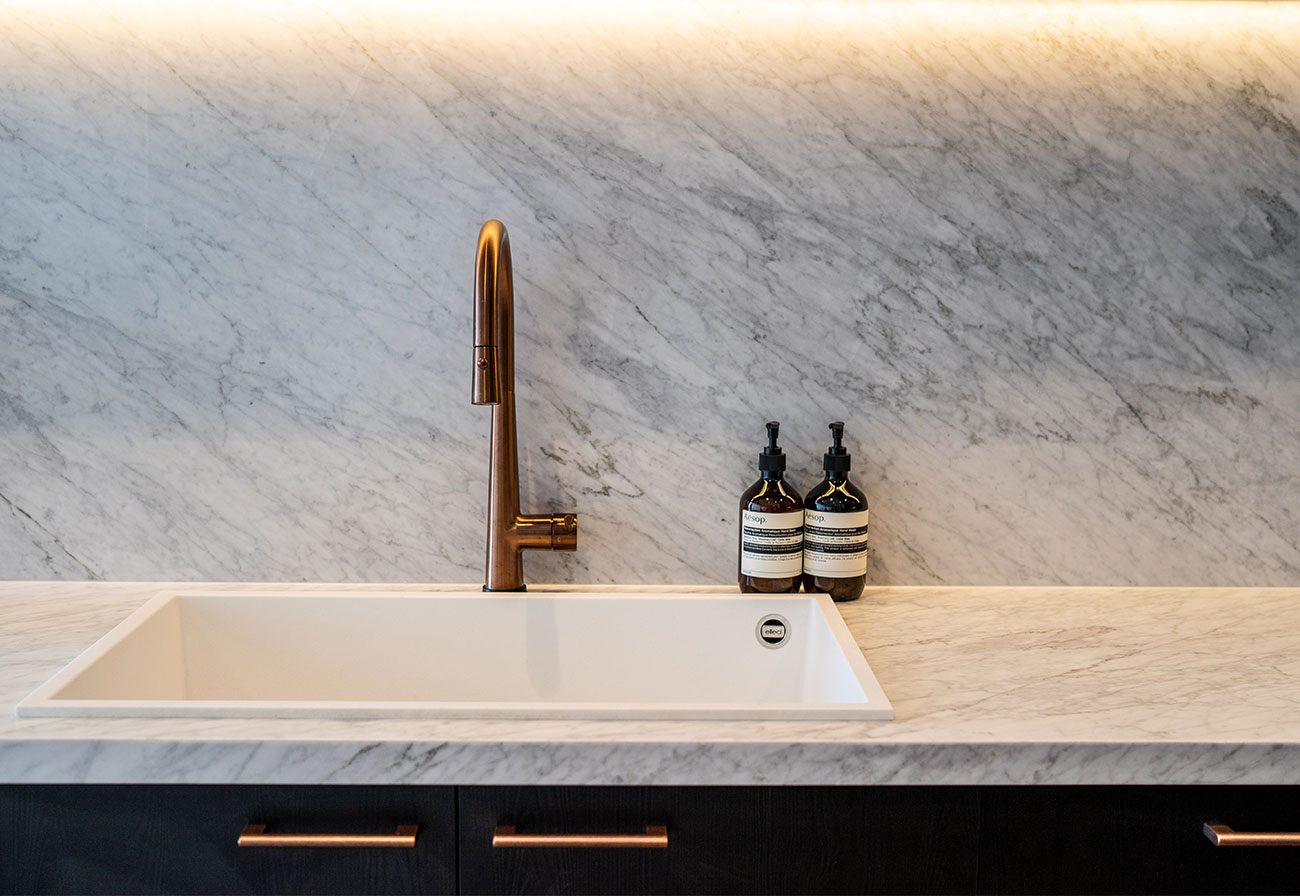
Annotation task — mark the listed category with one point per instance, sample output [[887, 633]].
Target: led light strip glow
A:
[[738, 17]]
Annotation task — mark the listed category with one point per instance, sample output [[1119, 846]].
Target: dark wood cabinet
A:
[[874, 839], [726, 840], [182, 839], [715, 836], [1041, 839], [1135, 840]]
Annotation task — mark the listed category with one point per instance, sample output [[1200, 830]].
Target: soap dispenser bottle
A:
[[771, 526], [835, 529]]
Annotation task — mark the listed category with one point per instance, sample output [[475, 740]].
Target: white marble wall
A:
[[1044, 259]]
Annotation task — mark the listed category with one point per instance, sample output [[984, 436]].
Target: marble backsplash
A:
[[1042, 258]]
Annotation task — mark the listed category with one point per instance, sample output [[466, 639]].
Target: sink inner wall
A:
[[470, 649]]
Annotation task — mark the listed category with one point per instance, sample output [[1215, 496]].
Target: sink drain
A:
[[773, 631]]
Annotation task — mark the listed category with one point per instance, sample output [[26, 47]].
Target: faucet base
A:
[[531, 532]]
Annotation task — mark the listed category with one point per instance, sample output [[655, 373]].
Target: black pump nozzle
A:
[[772, 460], [837, 433], [773, 430], [836, 459]]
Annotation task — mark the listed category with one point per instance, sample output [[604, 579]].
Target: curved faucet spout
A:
[[509, 532], [494, 314]]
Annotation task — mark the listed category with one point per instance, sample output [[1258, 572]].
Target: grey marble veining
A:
[[1044, 259], [989, 686]]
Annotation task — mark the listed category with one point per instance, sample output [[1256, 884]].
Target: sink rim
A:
[[42, 702]]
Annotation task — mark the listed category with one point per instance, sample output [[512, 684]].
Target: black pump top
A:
[[836, 459], [772, 460]]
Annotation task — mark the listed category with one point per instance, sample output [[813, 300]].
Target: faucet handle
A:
[[546, 532], [564, 532]]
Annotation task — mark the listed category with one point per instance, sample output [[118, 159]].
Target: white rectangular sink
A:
[[471, 655]]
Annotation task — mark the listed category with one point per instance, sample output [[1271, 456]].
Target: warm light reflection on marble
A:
[[787, 17]]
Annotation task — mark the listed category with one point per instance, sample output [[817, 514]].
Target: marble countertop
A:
[[990, 685]]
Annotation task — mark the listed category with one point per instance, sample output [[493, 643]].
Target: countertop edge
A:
[[681, 764]]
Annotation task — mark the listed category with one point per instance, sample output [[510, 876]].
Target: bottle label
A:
[[835, 544], [771, 544]]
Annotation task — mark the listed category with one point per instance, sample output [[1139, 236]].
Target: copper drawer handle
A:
[[256, 835], [1222, 835], [655, 837]]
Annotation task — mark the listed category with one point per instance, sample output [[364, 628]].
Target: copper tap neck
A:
[[509, 532]]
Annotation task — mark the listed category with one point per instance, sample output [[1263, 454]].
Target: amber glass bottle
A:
[[771, 526], [835, 529]]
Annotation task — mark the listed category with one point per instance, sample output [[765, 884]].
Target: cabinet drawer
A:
[[183, 839], [724, 840], [1135, 840]]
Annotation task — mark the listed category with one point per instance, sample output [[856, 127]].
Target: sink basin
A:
[[471, 655]]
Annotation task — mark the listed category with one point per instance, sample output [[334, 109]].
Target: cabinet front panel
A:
[[1135, 840], [724, 840], [714, 835], [183, 839], [874, 839]]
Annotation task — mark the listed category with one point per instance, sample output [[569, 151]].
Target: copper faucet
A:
[[509, 532]]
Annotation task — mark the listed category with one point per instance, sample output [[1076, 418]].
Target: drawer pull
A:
[[256, 835], [655, 837], [1222, 835]]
